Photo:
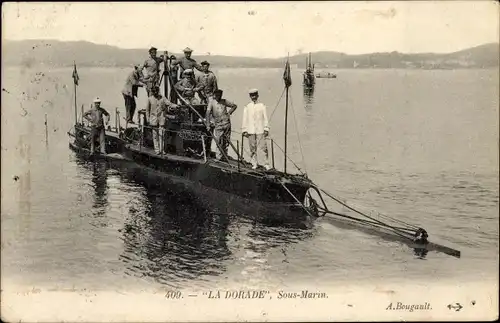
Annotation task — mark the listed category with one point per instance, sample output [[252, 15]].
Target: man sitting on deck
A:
[[188, 87], [217, 109], [256, 128], [156, 110], [95, 117]]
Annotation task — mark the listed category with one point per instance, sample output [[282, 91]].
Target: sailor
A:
[[152, 66], [208, 80], [256, 128], [156, 110], [217, 111], [130, 92], [186, 62], [95, 117], [188, 87]]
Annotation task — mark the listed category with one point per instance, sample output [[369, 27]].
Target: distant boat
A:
[[326, 75], [309, 79]]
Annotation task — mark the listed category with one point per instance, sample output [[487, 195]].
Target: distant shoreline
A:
[[55, 54], [84, 67]]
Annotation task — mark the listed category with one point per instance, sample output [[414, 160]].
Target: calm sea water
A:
[[418, 145]]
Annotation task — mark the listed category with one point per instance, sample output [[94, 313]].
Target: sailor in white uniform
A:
[[256, 128]]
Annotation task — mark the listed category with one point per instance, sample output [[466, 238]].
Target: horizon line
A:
[[280, 57]]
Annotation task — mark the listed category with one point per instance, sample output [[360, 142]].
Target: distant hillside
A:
[[57, 53]]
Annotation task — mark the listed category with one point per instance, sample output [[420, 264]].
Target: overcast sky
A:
[[261, 29]]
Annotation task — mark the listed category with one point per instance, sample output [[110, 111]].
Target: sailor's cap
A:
[[97, 100], [253, 91], [153, 49], [218, 91], [188, 71], [205, 63], [188, 50]]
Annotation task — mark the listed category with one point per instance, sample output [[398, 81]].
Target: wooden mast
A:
[[286, 126], [75, 83], [288, 81]]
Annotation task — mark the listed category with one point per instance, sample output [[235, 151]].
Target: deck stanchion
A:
[[242, 147], [118, 119], [272, 151], [82, 115], [204, 149], [238, 148], [162, 137], [142, 136]]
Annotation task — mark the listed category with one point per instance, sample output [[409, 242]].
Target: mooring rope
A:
[[366, 221], [295, 198], [411, 227], [397, 230]]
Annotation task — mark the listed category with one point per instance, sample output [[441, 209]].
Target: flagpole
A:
[[74, 86], [286, 110]]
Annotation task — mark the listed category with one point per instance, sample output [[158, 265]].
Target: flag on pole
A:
[[76, 78], [287, 77]]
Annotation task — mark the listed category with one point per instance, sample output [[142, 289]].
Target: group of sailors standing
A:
[[147, 75], [160, 109]]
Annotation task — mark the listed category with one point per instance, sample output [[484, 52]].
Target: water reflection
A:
[[169, 233], [171, 236], [265, 237], [308, 97], [99, 183]]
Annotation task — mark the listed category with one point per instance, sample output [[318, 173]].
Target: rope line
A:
[[379, 214], [291, 160], [276, 106], [397, 230], [295, 198], [272, 114], [298, 134], [281, 149], [366, 221], [410, 227]]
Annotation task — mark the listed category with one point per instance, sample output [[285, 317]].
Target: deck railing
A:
[[196, 135], [271, 145], [237, 146]]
